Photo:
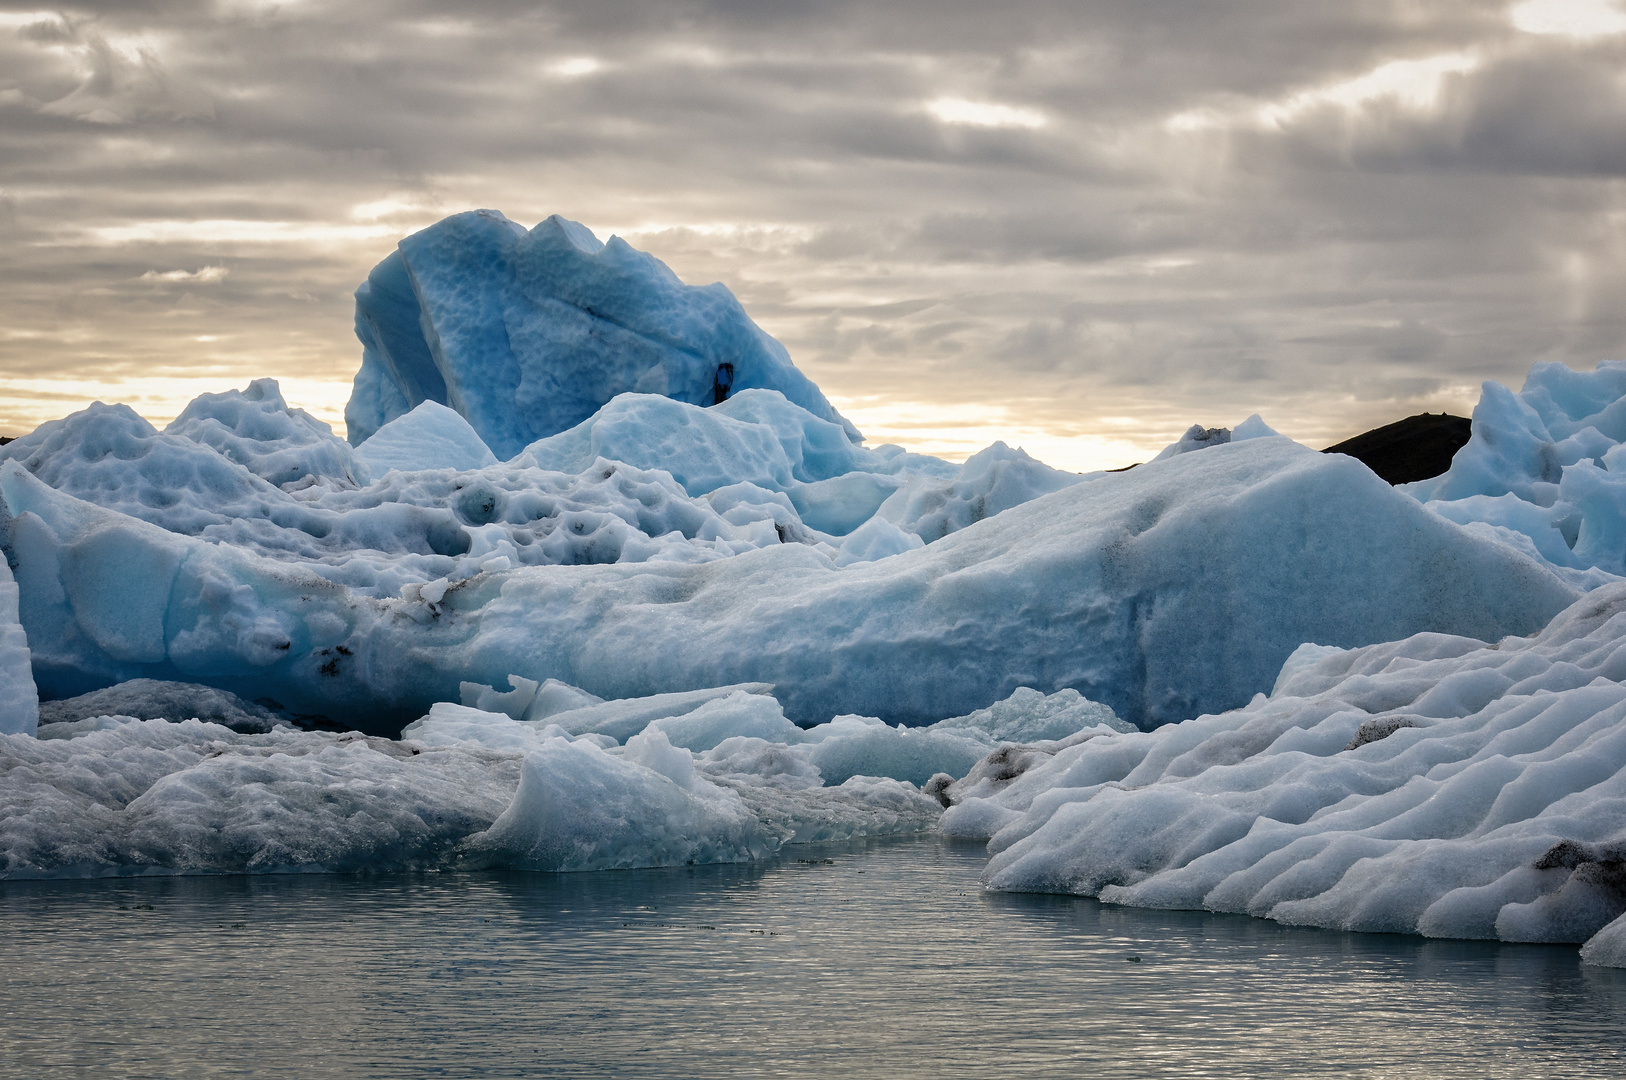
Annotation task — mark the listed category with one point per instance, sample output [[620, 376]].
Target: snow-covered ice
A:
[[1437, 785], [431, 436]]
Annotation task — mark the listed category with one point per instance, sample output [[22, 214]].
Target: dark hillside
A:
[[1415, 448]]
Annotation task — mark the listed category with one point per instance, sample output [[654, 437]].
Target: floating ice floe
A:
[[1436, 785], [114, 795]]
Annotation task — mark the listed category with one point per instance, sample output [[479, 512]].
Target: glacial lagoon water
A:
[[880, 959]]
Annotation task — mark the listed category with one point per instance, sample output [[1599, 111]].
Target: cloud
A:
[[204, 275], [1133, 214], [119, 84]]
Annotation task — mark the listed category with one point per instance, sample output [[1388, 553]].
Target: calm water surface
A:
[[885, 959]]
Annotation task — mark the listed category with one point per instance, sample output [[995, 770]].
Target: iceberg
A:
[[623, 589], [1543, 470], [1172, 590], [528, 333]]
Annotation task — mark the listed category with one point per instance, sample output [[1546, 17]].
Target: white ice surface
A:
[[1607, 948], [723, 722], [1435, 785], [256, 429], [990, 481]]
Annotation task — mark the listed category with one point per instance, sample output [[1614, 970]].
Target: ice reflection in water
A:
[[886, 960]]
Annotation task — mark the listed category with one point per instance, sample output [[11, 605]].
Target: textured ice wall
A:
[[527, 334], [1436, 785], [19, 700], [1174, 589]]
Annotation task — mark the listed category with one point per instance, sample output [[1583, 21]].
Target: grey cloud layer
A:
[[1333, 267]]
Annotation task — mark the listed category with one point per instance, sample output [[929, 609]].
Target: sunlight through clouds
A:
[[1414, 84], [955, 432], [981, 114], [1581, 19]]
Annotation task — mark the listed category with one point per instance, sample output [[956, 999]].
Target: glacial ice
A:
[[1099, 586], [723, 722], [1544, 471], [1436, 785], [527, 334]]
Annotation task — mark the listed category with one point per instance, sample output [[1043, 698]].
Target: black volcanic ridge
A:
[[1415, 448]]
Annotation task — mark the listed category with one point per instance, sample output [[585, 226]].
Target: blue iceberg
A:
[[527, 334]]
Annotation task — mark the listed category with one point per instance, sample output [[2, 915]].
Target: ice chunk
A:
[[145, 797], [1434, 785], [1544, 464], [1196, 437], [1254, 427], [153, 699], [1030, 716], [431, 436], [992, 480], [624, 718], [850, 746], [841, 504], [1607, 948], [703, 449], [403, 529], [110, 796], [876, 539], [739, 715], [527, 334], [579, 808], [19, 700]]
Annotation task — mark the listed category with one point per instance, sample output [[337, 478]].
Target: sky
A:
[[1075, 226]]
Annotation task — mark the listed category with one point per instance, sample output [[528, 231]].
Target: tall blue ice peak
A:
[[528, 333]]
